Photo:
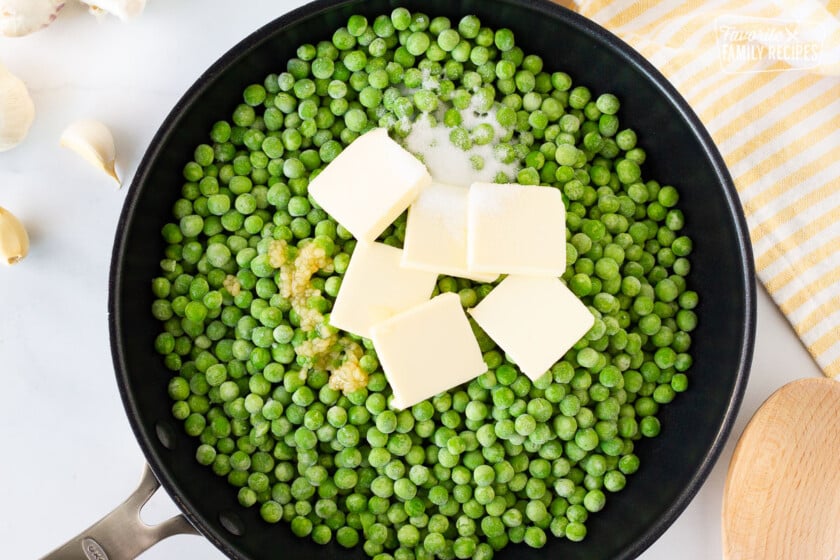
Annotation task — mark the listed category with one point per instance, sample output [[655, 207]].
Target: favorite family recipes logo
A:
[[753, 44]]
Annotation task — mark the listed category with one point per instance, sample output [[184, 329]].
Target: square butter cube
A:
[[369, 184], [436, 232], [375, 287], [427, 349], [516, 229], [534, 319]]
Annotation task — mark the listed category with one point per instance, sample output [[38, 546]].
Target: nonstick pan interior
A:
[[680, 152]]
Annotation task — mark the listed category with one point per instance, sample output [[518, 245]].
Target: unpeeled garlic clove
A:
[[14, 241], [16, 110], [22, 17], [123, 9], [94, 142]]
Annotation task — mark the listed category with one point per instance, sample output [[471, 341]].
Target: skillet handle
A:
[[122, 535]]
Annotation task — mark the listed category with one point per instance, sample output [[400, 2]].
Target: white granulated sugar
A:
[[449, 164], [472, 117], [429, 82], [403, 127]]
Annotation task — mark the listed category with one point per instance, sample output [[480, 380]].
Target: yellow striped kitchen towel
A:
[[764, 77]]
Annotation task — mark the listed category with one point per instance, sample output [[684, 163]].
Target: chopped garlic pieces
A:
[[295, 276], [349, 376], [232, 285]]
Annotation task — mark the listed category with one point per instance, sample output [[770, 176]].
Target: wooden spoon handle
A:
[[782, 495]]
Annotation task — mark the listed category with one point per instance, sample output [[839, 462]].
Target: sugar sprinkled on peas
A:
[[297, 414]]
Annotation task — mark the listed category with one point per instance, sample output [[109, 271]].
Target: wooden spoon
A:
[[782, 495]]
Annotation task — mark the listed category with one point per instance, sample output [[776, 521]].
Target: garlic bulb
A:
[[22, 17], [16, 110], [14, 241], [94, 142], [123, 9]]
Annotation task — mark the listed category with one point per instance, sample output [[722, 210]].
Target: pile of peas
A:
[[499, 460]]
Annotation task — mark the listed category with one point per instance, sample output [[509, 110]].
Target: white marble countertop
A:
[[68, 455]]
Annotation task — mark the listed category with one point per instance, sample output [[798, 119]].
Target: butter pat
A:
[[533, 319], [436, 232], [516, 229], [405, 342], [375, 287], [369, 184]]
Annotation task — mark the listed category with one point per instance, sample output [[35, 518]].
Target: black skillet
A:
[[695, 426]]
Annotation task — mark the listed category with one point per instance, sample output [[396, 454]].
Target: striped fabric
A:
[[764, 77]]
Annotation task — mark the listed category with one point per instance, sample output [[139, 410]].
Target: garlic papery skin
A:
[[14, 241], [22, 17], [17, 111], [123, 9], [94, 142]]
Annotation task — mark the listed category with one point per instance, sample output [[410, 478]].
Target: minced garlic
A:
[[294, 279], [319, 350], [349, 376], [232, 285], [338, 355], [277, 253]]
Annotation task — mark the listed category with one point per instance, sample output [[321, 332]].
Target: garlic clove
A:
[[123, 9], [17, 111], [94, 142], [14, 241], [22, 17]]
